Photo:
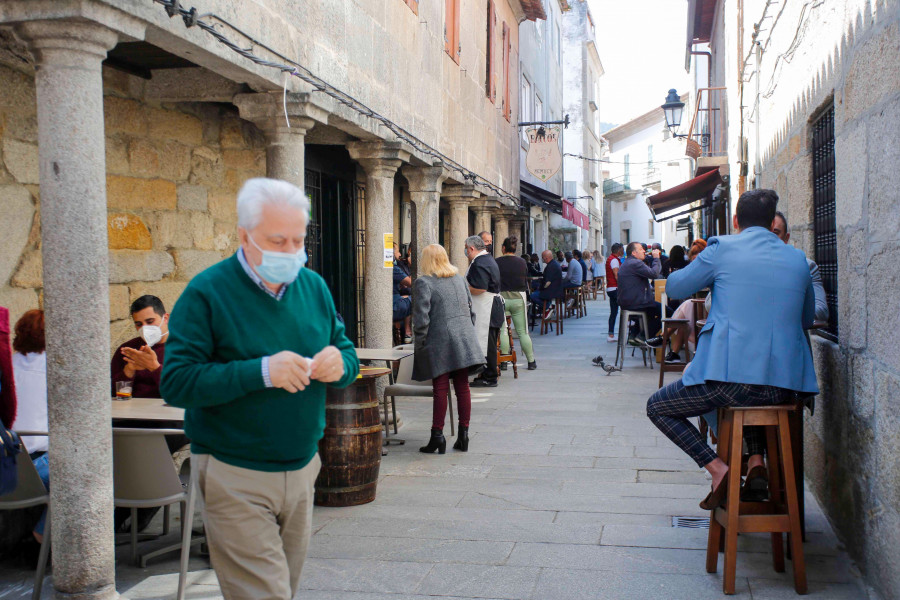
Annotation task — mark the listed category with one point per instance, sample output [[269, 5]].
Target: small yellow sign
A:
[[389, 251]]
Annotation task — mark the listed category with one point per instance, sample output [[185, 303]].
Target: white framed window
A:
[[538, 108], [650, 224]]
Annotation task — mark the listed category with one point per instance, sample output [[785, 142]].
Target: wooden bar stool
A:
[[670, 326], [511, 357], [780, 514], [556, 318], [583, 293], [624, 317]]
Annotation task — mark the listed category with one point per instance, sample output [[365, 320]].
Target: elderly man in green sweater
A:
[[254, 341]]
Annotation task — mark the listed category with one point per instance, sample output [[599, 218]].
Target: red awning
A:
[[684, 193]]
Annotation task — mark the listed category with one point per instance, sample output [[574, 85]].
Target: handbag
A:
[[9, 448]]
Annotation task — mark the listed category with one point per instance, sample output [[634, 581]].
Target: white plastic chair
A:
[[30, 491], [144, 477], [404, 385]]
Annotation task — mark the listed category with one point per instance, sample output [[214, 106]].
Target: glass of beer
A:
[[123, 390]]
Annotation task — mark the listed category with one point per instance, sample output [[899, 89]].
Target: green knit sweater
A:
[[220, 328]]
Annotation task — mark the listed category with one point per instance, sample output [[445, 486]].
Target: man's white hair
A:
[[261, 191]]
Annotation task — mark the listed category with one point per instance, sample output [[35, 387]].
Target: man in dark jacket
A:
[[551, 285], [635, 291], [483, 277]]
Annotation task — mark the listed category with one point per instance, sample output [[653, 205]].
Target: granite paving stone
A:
[[567, 493]]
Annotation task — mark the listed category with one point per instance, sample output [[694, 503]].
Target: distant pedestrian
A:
[[445, 342], [483, 277], [513, 288]]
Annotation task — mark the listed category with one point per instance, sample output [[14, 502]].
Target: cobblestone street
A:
[[567, 492]]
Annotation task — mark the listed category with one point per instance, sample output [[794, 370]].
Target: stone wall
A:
[[853, 440], [173, 172]]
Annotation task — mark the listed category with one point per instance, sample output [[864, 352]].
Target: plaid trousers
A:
[[671, 406]]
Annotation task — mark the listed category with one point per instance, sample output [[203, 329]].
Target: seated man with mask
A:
[[140, 359]]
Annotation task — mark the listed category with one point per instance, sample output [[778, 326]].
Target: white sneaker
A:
[[612, 339]]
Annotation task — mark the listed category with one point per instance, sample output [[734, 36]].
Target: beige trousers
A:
[[257, 525]]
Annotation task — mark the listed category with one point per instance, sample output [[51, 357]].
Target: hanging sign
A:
[[389, 251], [544, 157]]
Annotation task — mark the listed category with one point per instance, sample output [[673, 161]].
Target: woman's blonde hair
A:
[[435, 262]]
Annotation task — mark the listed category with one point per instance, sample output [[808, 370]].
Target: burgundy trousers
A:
[[440, 389]]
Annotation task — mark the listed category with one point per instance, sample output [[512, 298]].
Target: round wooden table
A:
[[351, 447]]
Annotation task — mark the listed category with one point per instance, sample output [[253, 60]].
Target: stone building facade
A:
[[125, 136], [828, 112]]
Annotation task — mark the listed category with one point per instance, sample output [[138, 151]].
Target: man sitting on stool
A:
[[635, 291]]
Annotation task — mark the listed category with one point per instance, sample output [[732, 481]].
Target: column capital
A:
[[460, 190], [75, 44], [267, 111], [378, 158], [487, 204], [425, 179]]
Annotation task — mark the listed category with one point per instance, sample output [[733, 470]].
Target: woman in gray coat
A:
[[446, 345]]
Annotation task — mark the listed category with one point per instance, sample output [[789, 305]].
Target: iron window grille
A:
[[824, 227]]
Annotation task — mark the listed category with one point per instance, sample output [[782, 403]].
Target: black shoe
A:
[[482, 382], [532, 365], [504, 366], [462, 439], [437, 442], [655, 342], [597, 360], [673, 357]]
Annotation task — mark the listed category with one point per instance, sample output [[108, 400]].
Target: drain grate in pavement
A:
[[691, 522]]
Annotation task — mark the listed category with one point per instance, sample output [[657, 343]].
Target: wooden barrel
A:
[[351, 448]]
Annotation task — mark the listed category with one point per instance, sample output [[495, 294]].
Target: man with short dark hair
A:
[[752, 351], [780, 228], [574, 274], [140, 359], [635, 291]]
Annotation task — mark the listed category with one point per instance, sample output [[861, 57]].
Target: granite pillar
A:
[[425, 191], [380, 160], [501, 232], [71, 146], [286, 147], [459, 197]]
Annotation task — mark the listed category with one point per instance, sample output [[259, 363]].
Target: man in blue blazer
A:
[[552, 283], [752, 350]]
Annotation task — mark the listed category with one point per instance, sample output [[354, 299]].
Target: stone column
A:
[[425, 190], [71, 148], [286, 148], [482, 218], [501, 232], [459, 197], [380, 161]]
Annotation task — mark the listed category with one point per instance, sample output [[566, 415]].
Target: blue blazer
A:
[[762, 300]]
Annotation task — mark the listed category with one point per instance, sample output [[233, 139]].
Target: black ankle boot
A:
[[462, 439], [437, 442]]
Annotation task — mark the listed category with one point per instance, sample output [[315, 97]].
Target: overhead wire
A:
[[192, 18]]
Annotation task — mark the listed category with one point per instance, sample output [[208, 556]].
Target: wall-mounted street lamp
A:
[[673, 110]]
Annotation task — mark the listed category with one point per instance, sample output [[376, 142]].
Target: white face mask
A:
[[151, 334]]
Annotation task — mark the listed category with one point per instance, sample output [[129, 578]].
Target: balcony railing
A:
[[611, 186], [650, 176], [706, 136]]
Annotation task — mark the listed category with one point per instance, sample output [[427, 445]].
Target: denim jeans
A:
[[42, 464]]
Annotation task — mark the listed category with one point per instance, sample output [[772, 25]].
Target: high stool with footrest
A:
[[778, 515]]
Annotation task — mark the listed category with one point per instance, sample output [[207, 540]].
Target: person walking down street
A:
[[483, 277], [752, 351], [513, 287], [445, 342], [255, 341]]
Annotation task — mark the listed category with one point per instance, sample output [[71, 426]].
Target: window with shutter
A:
[[507, 107], [490, 87], [451, 29]]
